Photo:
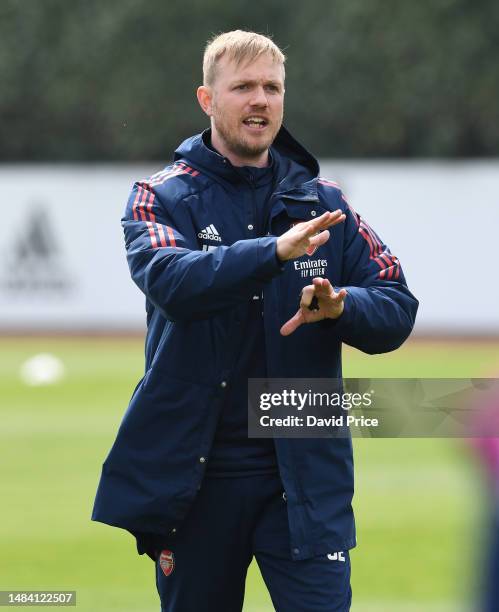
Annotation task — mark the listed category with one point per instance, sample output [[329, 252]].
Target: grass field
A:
[[419, 503]]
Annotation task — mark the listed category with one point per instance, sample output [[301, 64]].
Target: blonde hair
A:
[[239, 46]]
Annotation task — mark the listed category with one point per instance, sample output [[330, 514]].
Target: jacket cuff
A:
[[347, 317], [267, 256]]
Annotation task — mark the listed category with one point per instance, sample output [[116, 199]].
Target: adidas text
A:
[[209, 237]]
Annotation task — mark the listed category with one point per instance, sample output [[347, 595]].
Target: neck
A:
[[259, 161]]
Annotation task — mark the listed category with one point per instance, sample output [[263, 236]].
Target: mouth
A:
[[256, 123]]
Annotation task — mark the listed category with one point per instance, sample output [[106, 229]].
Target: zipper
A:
[[255, 223]]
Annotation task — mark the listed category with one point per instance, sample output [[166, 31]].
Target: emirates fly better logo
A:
[[310, 268]]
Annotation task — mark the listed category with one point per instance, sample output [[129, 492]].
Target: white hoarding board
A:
[[441, 219], [62, 262]]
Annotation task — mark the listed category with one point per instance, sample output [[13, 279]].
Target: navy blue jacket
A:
[[193, 250]]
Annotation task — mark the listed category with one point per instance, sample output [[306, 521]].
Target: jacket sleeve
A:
[[182, 281], [379, 309]]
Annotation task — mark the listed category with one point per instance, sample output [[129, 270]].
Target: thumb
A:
[[294, 323]]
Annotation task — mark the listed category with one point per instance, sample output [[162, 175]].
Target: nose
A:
[[259, 97]]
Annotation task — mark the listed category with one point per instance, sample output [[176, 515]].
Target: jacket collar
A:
[[297, 169]]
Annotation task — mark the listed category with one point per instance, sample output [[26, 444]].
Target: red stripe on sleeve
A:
[[161, 235], [141, 206], [164, 176], [327, 182], [389, 264], [154, 242], [372, 242], [187, 169], [178, 168], [380, 263], [386, 258], [134, 207], [171, 236], [367, 238], [355, 215], [393, 268], [152, 216], [375, 239]]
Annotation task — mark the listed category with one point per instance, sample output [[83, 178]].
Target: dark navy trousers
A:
[[202, 568]]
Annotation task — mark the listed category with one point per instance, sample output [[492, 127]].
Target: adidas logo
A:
[[210, 233], [34, 263]]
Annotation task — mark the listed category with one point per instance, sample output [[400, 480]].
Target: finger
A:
[[290, 326], [326, 220], [319, 239], [341, 295], [322, 222], [307, 294], [338, 297], [323, 286], [336, 219], [339, 219]]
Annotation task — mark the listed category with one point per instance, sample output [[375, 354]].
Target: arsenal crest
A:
[[166, 562], [311, 250]]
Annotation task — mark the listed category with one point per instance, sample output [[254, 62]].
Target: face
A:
[[246, 105]]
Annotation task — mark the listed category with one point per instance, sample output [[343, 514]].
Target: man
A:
[[216, 242]]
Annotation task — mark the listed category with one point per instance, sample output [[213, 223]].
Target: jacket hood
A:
[[295, 165]]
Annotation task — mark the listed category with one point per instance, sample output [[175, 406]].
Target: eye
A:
[[272, 88], [242, 86]]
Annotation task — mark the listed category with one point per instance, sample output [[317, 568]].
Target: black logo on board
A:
[[34, 262]]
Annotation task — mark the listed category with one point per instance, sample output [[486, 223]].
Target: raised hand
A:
[[327, 305], [295, 242]]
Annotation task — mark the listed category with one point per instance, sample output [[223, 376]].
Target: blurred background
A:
[[399, 101]]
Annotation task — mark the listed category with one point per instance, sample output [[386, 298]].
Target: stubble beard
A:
[[236, 142]]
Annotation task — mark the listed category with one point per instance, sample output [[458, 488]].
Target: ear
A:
[[205, 96]]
